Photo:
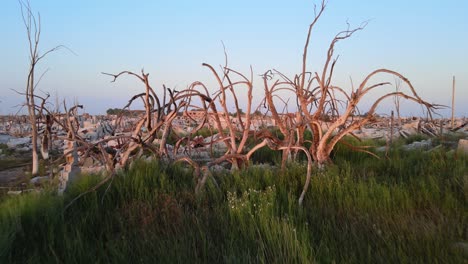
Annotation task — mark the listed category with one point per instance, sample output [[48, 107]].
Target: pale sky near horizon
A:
[[427, 41]]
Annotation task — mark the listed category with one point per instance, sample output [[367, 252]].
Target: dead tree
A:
[[152, 104], [33, 31], [227, 88], [158, 117], [230, 84], [329, 118], [215, 114]]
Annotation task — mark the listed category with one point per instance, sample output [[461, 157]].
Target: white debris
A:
[[4, 138], [39, 180], [15, 142], [425, 144]]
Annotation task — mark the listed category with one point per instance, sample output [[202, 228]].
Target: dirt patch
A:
[[12, 177]]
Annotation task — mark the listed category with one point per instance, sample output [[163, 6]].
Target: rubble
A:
[[71, 170], [463, 146], [24, 149], [435, 148], [218, 169], [425, 145], [218, 144], [17, 142], [4, 138], [14, 192], [39, 180]]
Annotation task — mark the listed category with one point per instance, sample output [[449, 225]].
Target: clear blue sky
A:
[[427, 41]]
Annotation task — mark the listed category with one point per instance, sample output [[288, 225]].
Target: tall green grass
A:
[[408, 209]]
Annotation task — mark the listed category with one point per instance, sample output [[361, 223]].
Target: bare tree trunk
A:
[[32, 119], [453, 103], [397, 100], [163, 141], [391, 128], [35, 157], [33, 31]]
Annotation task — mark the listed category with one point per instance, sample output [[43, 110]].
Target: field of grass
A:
[[411, 208]]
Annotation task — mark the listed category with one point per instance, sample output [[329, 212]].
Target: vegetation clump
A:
[[410, 208]]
